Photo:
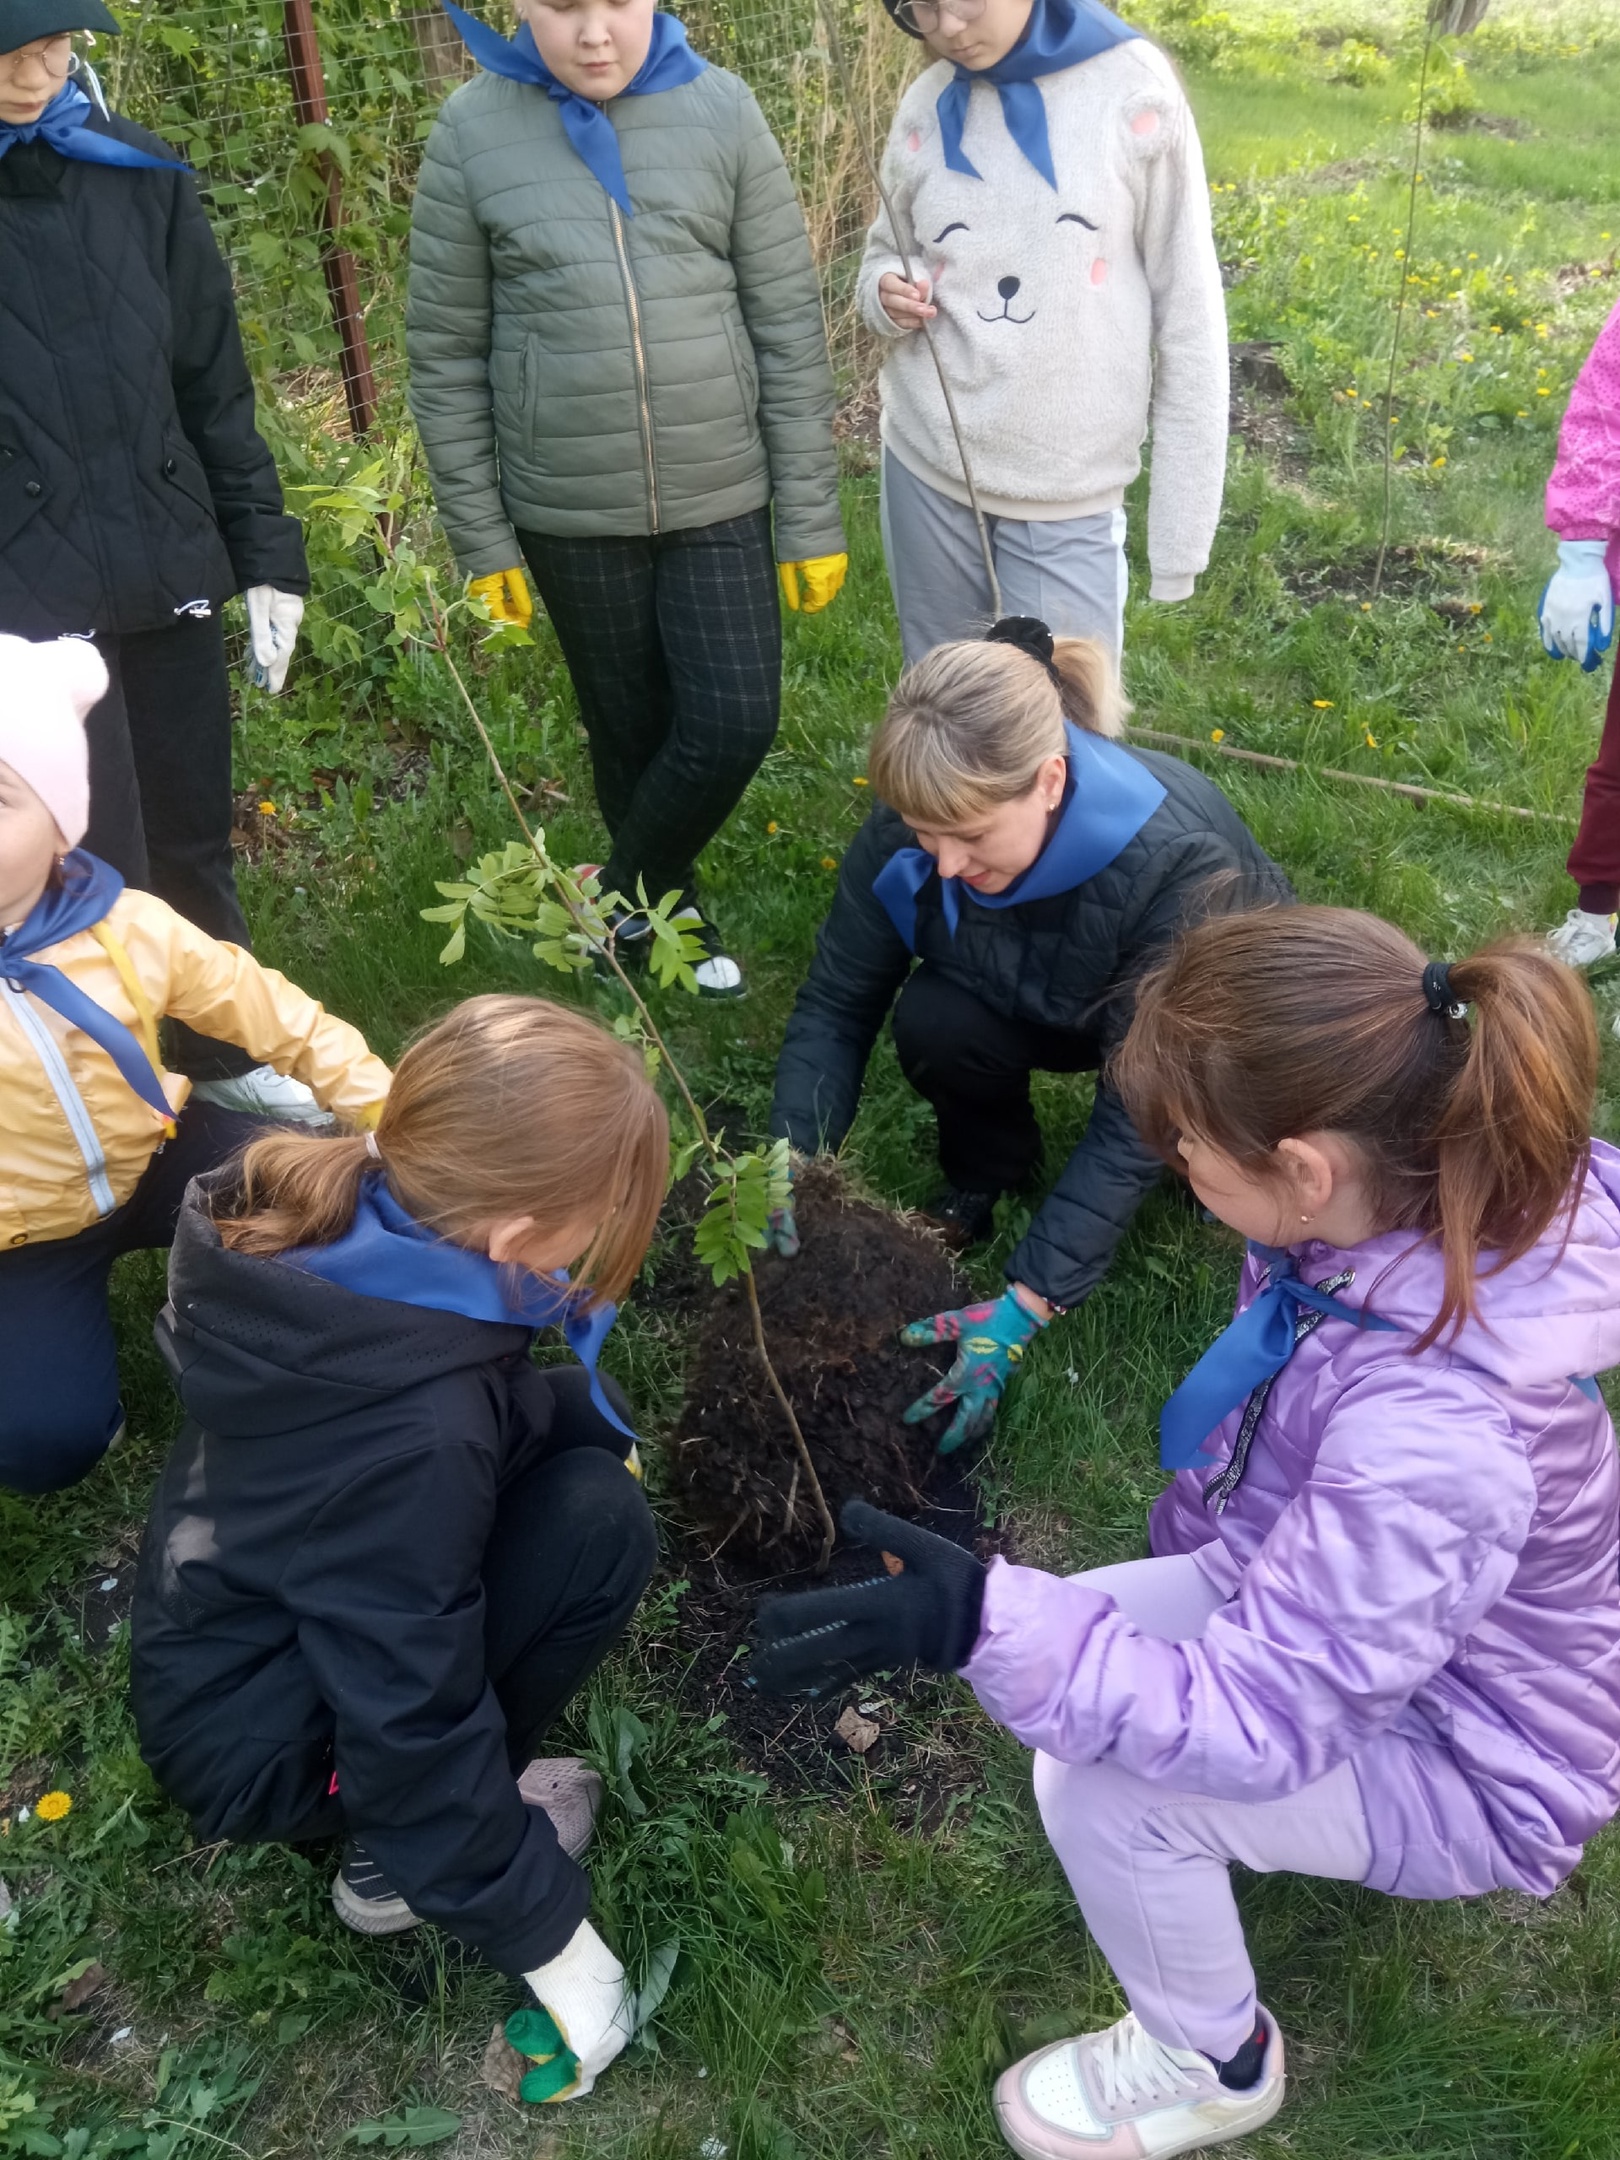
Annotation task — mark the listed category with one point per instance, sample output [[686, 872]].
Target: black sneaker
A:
[[362, 1899], [632, 941], [961, 1218], [719, 975]]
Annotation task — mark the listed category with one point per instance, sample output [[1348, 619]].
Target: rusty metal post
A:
[[342, 274]]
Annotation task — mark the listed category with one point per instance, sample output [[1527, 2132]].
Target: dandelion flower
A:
[[1323, 704], [267, 809], [773, 827], [1439, 461], [861, 780], [1372, 742], [829, 862], [1217, 734], [1476, 607], [1366, 607], [1465, 356], [52, 1806], [1543, 393]]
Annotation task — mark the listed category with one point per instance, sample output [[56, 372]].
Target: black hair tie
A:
[[1028, 634], [1441, 999]]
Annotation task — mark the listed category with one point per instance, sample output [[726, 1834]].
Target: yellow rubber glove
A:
[[507, 595], [823, 579]]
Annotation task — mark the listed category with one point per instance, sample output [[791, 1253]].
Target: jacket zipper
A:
[[638, 350], [67, 1095]]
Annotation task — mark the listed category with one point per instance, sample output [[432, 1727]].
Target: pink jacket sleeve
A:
[[1365, 1586], [1583, 491]]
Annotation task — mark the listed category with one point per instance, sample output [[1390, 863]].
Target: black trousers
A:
[[60, 1403], [160, 793], [974, 1065], [675, 647], [572, 1550]]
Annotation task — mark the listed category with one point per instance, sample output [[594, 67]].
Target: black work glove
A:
[[928, 1615]]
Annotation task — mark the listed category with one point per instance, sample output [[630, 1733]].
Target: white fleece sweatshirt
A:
[[1068, 322]]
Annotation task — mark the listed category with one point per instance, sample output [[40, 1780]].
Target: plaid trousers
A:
[[674, 643]]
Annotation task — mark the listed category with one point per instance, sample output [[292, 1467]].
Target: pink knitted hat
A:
[[45, 693]]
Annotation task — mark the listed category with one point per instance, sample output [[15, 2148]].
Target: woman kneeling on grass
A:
[[1035, 868], [387, 1549], [1379, 1639]]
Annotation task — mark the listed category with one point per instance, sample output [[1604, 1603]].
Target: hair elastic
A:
[[372, 1149], [1027, 634], [1442, 1000]]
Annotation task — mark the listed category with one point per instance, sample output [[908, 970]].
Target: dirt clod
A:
[[831, 1321]]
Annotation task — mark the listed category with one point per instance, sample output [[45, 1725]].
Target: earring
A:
[[1304, 1218]]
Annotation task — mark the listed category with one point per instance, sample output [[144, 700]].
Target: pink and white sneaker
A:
[[1122, 2095]]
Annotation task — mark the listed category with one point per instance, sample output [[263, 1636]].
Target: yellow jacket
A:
[[74, 1135]]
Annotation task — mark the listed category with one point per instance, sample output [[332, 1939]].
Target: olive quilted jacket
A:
[[578, 372]]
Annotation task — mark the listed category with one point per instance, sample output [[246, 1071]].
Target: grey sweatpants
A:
[[1070, 572]]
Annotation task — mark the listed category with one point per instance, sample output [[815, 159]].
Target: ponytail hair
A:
[[970, 725], [508, 1106], [1471, 1108]]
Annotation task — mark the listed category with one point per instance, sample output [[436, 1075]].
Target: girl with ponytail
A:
[[388, 1548], [1379, 1639]]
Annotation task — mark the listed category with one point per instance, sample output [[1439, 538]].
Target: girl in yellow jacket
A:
[[97, 1141]]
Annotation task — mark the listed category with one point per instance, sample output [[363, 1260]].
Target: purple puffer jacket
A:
[[1423, 1567]]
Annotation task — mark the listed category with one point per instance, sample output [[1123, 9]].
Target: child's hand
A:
[[590, 2016], [907, 306], [927, 1613]]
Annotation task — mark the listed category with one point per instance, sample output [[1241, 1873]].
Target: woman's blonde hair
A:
[[507, 1106], [971, 724]]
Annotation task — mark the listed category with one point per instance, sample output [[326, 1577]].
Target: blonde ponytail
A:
[[971, 724]]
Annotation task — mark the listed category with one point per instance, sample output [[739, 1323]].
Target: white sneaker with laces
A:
[[1581, 938], [1122, 2095], [718, 976], [265, 1093]]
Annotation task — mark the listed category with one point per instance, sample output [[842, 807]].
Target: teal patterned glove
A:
[[992, 1339]]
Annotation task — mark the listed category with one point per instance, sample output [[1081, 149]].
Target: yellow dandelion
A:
[[829, 862], [1543, 393], [1465, 356], [52, 1806], [1476, 607], [1523, 413], [267, 809], [861, 780], [773, 827], [1366, 607], [1350, 393], [1372, 742], [1438, 462], [1217, 734], [1323, 704]]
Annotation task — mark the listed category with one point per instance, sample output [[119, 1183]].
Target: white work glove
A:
[[273, 619], [1577, 608], [587, 1994]]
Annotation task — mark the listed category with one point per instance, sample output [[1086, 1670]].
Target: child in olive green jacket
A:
[[620, 373]]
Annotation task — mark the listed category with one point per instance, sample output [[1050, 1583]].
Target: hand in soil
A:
[[782, 1232], [926, 1615], [991, 1340]]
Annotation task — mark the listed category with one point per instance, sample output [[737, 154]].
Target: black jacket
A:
[[132, 478], [1069, 962], [309, 1595]]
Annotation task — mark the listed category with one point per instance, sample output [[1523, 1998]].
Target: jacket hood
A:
[[256, 1347], [1552, 1315]]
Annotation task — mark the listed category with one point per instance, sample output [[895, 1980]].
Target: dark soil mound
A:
[[831, 1319]]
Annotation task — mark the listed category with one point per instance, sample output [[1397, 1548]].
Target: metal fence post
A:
[[342, 275]]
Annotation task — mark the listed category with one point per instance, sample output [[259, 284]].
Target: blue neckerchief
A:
[[62, 125], [83, 897], [670, 62], [1060, 34], [1107, 800], [1256, 1346], [386, 1253]]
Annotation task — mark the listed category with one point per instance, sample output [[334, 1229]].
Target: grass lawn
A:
[[846, 1984]]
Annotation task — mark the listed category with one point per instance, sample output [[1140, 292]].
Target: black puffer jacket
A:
[[316, 1539], [1068, 962], [133, 481]]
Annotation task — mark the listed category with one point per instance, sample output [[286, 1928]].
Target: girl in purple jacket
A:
[[1379, 1636]]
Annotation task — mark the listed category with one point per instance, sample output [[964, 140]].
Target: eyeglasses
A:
[[54, 54], [921, 17]]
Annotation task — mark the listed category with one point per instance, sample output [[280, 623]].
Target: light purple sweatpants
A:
[[1148, 1864]]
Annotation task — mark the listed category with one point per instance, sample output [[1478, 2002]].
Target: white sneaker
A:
[[1122, 2095], [718, 976], [265, 1093], [1581, 938]]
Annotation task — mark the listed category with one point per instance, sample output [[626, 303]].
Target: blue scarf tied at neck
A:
[[1107, 800], [670, 62], [1060, 34], [83, 897], [63, 126], [1256, 1347], [386, 1253]]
